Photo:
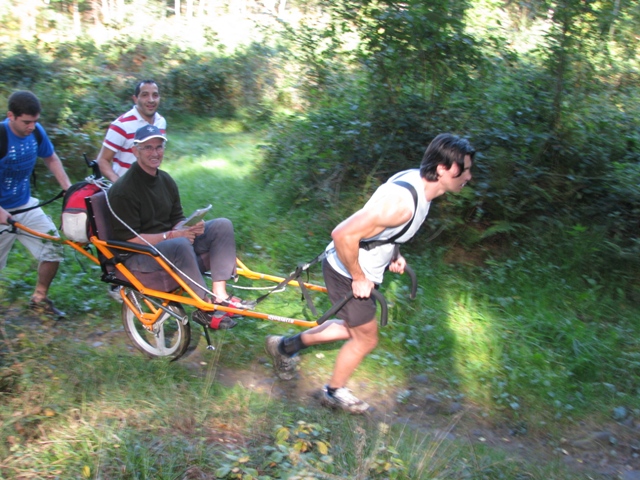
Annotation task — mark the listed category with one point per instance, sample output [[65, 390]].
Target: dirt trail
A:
[[609, 451]]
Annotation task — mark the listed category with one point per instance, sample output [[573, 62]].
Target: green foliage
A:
[[542, 332], [199, 86], [411, 47], [22, 68]]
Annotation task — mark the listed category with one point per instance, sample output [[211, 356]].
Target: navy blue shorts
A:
[[356, 311]]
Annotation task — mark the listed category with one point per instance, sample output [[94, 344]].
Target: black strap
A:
[[22, 210], [371, 244], [4, 140], [4, 145], [295, 275]]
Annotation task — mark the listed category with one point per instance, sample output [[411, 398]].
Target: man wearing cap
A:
[[146, 201], [116, 155]]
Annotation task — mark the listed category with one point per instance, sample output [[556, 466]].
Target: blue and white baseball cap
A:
[[147, 133]]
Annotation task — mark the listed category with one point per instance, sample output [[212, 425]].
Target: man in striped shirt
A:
[[116, 155]]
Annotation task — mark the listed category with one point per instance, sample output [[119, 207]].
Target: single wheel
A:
[[168, 337]]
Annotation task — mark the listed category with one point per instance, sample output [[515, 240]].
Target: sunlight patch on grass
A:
[[475, 348], [215, 164]]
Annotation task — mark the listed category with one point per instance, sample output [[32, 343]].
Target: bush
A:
[[23, 69], [199, 86]]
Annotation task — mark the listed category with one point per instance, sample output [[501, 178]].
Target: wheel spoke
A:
[[160, 341], [168, 337]]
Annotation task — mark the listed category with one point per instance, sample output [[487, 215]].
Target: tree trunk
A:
[[120, 10], [77, 26], [281, 7], [106, 11], [614, 15]]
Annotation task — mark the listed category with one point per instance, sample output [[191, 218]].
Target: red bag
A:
[[75, 222]]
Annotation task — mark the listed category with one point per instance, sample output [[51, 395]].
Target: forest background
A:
[[343, 94]]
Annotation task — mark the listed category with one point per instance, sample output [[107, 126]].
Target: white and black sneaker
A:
[[284, 365], [114, 292], [343, 398]]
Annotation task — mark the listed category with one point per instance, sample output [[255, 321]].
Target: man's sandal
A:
[[235, 302], [46, 307]]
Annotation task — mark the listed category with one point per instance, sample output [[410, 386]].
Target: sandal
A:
[[216, 320], [235, 302], [46, 307]]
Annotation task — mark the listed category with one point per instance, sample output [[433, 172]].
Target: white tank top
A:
[[374, 262]]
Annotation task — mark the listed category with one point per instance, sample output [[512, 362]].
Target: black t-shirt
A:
[[148, 204]]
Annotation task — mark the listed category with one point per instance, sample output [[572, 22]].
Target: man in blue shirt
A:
[[22, 149]]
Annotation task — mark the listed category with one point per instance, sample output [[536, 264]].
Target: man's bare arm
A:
[[4, 216], [54, 164], [391, 209], [105, 162], [189, 233]]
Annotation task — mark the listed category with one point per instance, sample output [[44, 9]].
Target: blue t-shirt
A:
[[16, 167]]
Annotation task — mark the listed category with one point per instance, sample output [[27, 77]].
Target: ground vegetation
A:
[[526, 319]]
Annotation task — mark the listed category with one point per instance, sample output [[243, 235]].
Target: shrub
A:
[[23, 69]]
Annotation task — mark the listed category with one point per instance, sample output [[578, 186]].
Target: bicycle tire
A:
[[172, 337]]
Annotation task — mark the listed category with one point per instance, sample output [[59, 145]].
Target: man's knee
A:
[[220, 226], [366, 337], [177, 250], [371, 342], [182, 245]]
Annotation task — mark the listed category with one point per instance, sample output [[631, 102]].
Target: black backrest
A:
[[99, 216]]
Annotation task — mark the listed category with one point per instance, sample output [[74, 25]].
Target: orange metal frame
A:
[[184, 294]]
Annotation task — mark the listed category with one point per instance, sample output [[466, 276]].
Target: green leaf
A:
[[222, 472]]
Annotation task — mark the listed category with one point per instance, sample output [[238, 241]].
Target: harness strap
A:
[[22, 210], [366, 245], [302, 267], [4, 145], [371, 244]]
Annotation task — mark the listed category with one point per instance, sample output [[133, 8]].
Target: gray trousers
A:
[[214, 250]]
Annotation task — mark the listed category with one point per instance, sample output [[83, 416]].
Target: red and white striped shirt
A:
[[120, 135]]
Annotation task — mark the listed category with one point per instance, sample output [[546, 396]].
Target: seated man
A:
[[147, 203]]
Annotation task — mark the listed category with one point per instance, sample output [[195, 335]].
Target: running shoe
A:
[[114, 292], [284, 365], [343, 398]]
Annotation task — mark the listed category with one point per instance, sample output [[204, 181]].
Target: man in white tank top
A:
[[348, 267]]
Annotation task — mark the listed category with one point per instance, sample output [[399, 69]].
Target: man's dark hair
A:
[[141, 83], [446, 149], [24, 102]]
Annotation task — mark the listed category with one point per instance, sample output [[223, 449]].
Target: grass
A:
[[524, 339], [76, 413]]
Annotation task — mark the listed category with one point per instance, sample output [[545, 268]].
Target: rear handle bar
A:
[[338, 305], [375, 294], [414, 281]]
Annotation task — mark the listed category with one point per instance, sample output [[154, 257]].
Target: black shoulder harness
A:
[[4, 144], [4, 139], [371, 244]]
